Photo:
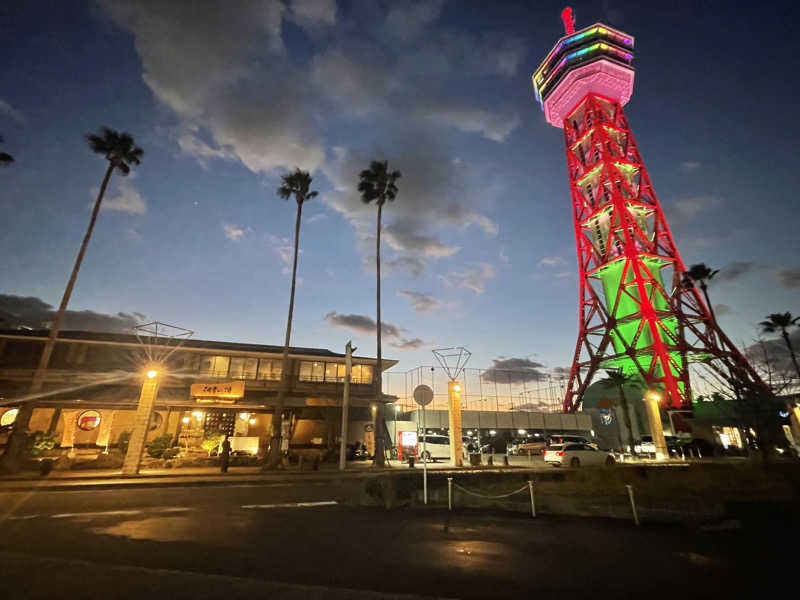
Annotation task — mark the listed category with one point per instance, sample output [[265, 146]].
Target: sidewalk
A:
[[107, 478]]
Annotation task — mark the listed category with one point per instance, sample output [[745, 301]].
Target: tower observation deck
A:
[[638, 312]]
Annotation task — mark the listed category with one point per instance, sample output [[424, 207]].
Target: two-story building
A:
[[94, 380]]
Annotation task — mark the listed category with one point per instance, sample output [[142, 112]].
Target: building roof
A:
[[126, 338]]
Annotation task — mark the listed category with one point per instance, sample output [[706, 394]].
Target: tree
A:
[[378, 184], [120, 152], [782, 322], [297, 184], [5, 158], [701, 274], [618, 380]]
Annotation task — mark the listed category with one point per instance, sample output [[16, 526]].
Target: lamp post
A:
[[144, 411], [651, 399], [454, 396]]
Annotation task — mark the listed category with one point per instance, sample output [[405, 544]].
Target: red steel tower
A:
[[638, 310]]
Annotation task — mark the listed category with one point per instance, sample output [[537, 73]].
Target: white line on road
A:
[[22, 517], [114, 513], [292, 504]]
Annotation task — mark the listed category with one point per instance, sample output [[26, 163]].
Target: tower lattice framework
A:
[[635, 314]]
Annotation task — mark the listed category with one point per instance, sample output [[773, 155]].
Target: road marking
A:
[[292, 504], [96, 514], [22, 517], [113, 513]]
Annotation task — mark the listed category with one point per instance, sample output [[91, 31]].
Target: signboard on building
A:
[[228, 390]]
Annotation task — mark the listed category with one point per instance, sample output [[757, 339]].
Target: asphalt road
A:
[[252, 541]]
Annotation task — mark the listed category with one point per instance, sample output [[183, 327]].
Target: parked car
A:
[[433, 447], [539, 445], [646, 445], [577, 455]]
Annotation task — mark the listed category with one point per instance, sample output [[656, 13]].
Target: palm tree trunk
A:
[[277, 416], [704, 287], [380, 454], [788, 341], [16, 442]]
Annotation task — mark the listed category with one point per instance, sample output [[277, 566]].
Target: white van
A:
[[433, 447]]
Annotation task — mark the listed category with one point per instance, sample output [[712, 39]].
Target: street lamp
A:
[[651, 400], [144, 412]]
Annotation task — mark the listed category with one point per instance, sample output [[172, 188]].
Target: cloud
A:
[[471, 278], [777, 354], [233, 232], [420, 302], [561, 371], [127, 199], [413, 344], [734, 271], [493, 126], [316, 217], [408, 19], [284, 248], [361, 324], [722, 309], [414, 265], [192, 145], [404, 234], [315, 10], [551, 261], [690, 165], [689, 208], [17, 312], [513, 370], [215, 68], [788, 278], [10, 111]]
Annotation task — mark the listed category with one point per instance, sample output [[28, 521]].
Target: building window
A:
[[269, 369], [214, 366], [243, 368], [333, 372], [361, 374]]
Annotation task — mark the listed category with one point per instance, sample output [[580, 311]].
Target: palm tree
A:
[[618, 380], [782, 322], [120, 152], [378, 183], [295, 184], [5, 158], [702, 275]]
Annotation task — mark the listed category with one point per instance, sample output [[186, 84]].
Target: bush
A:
[[212, 440], [40, 442], [123, 440], [159, 445], [171, 453]]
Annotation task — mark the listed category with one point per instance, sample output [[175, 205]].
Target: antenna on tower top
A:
[[569, 20]]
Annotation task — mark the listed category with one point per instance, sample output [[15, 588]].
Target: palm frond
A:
[[119, 148]]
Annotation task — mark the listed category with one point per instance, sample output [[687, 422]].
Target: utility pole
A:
[[348, 367]]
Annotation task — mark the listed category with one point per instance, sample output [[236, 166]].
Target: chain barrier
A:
[[528, 486], [466, 491]]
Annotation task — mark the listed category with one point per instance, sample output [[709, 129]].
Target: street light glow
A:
[[152, 373], [457, 388], [654, 396]]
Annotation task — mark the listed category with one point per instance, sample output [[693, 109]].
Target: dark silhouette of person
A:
[[225, 455]]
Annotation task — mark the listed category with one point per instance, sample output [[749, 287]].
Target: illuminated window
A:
[[318, 371], [305, 371], [361, 374], [8, 417], [243, 368], [214, 366], [269, 368], [334, 372]]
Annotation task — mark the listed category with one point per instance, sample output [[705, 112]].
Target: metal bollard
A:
[[505, 460], [533, 504], [450, 493], [633, 504]]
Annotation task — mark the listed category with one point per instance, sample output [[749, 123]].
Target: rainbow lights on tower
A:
[[637, 313]]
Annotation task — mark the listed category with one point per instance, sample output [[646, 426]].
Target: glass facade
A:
[[322, 372]]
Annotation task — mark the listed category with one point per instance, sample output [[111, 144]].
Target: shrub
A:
[[171, 453], [212, 440], [40, 442], [156, 448], [123, 440]]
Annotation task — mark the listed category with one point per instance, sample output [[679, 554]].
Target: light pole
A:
[[651, 399], [144, 411], [456, 443]]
